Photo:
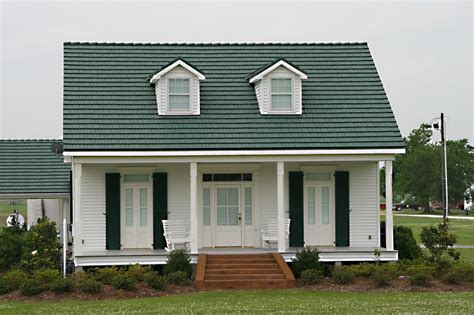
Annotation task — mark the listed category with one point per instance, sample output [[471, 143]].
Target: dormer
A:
[[177, 89], [278, 88]]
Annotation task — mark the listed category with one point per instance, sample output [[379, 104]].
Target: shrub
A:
[[41, 249], [381, 278], [5, 286], [11, 246], [306, 259], [390, 268], [46, 277], [403, 241], [105, 275], [31, 287], [420, 279], [362, 270], [139, 272], [155, 281], [429, 271], [178, 277], [311, 276], [15, 278], [439, 242], [452, 278], [467, 270], [178, 260], [62, 285], [88, 284], [124, 281], [342, 275]]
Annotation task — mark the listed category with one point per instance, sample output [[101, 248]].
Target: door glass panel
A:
[[318, 177], [135, 178], [248, 205], [128, 207], [325, 204], [143, 206], [311, 204], [206, 206], [221, 206], [233, 215], [233, 206]]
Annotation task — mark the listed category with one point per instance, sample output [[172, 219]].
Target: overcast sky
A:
[[423, 50]]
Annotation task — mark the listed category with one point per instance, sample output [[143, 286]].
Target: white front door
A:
[[137, 223], [228, 216], [318, 215]]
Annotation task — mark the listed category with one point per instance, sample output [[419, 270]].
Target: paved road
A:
[[433, 216]]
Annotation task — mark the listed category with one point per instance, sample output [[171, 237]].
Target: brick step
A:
[[241, 261], [241, 266], [245, 284], [265, 271], [244, 276], [237, 256]]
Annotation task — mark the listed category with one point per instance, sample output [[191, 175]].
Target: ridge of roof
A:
[[216, 43]]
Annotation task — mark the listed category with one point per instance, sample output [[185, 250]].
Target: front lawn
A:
[[275, 301], [6, 209]]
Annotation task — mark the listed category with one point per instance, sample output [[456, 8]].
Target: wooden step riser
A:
[[245, 277], [240, 261], [239, 256], [243, 271], [239, 285], [241, 266]]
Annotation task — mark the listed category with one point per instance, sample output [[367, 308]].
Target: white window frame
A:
[[291, 110], [189, 111]]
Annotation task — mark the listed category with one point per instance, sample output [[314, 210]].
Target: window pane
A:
[[318, 177], [227, 177], [129, 207], [281, 101], [311, 205], [221, 197], [135, 178], [233, 215], [281, 86], [222, 215], [207, 177], [325, 204], [178, 86], [248, 205], [233, 195], [143, 206], [179, 102], [206, 206]]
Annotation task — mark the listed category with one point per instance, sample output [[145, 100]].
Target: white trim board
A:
[[181, 63], [282, 63]]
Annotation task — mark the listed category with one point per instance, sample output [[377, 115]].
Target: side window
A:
[[178, 95], [281, 94]]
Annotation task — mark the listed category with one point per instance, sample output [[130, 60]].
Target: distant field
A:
[[6, 209]]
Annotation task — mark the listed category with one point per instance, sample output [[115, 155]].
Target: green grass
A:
[[467, 254], [464, 229], [6, 209], [277, 301], [452, 212]]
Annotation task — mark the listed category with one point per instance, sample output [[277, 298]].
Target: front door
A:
[[228, 220], [318, 215], [137, 216]]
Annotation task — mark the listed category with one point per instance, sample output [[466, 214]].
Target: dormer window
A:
[[177, 89], [279, 90]]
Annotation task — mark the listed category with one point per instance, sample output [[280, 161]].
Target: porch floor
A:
[[158, 256]]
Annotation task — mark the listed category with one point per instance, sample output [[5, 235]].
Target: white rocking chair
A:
[[176, 232], [270, 232]]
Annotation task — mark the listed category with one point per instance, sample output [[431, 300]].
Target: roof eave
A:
[[175, 64]]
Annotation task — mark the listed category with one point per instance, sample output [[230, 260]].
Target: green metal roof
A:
[[30, 167], [110, 105]]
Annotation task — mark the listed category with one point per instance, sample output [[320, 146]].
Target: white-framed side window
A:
[[179, 98], [281, 94]]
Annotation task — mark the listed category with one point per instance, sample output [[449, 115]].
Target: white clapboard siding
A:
[[178, 191]]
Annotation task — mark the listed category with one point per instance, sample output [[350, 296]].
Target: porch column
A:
[[388, 205], [193, 207], [280, 206], [77, 226]]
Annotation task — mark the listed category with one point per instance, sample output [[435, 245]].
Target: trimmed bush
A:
[[178, 260], [364, 270], [178, 277], [62, 285], [105, 275], [341, 275], [403, 241], [466, 270], [311, 276], [452, 278], [306, 259], [88, 284], [31, 287], [139, 272], [420, 279], [439, 242], [15, 278], [124, 281], [5, 286], [11, 246], [46, 277], [155, 281], [421, 269], [381, 278]]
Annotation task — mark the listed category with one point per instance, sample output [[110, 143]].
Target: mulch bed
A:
[[359, 285]]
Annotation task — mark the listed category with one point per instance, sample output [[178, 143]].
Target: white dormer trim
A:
[[280, 63], [181, 63]]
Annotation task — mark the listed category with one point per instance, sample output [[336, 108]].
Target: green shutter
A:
[[112, 210], [296, 200], [160, 208], [342, 208]]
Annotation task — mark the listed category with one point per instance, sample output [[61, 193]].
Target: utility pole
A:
[[444, 171]]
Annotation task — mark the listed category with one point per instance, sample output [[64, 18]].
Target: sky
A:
[[423, 50]]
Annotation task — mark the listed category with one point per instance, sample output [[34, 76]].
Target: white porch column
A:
[[193, 207], [76, 195], [280, 206], [388, 205]]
